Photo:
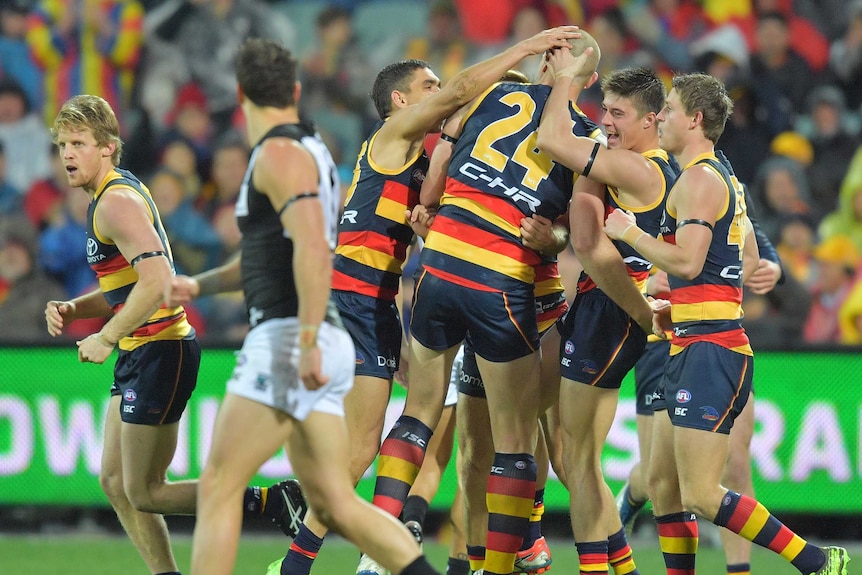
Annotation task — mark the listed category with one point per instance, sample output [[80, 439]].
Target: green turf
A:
[[110, 555]]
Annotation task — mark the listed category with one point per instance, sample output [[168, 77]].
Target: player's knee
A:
[[142, 498], [112, 485]]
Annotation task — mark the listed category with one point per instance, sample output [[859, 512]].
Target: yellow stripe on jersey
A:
[[708, 310], [118, 279], [391, 210], [372, 258], [473, 254], [483, 212]]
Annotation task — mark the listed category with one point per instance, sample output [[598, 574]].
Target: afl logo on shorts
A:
[[570, 347], [92, 246], [520, 465], [683, 396], [130, 395]]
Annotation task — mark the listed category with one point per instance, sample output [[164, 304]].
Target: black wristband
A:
[[448, 138]]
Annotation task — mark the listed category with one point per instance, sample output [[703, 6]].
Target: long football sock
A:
[[677, 537], [751, 520], [400, 458], [510, 496]]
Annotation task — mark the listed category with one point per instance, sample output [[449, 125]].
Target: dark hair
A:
[[266, 73], [331, 14], [779, 17], [395, 76], [640, 85], [707, 95]]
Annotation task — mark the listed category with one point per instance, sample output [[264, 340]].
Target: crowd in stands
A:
[[793, 68]]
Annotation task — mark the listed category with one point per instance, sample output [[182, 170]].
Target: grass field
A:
[[111, 555]]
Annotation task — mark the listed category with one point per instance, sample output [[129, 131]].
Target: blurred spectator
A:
[[335, 74], [207, 41], [850, 314], [837, 259], [86, 47], [781, 190], [26, 139], [335, 85], [619, 50], [833, 146], [11, 200], [179, 157], [667, 27], [793, 145], [775, 320], [775, 64], [15, 61], [443, 47], [846, 221], [845, 56], [63, 245], [828, 16], [488, 23], [24, 288], [230, 161], [189, 121], [795, 247], [528, 22], [803, 36], [194, 243], [45, 197], [745, 139]]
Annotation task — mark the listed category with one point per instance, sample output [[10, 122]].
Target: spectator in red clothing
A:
[[45, 197]]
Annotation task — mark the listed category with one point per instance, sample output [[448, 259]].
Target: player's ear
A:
[[592, 80]]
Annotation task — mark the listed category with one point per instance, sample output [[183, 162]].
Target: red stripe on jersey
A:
[[152, 329], [500, 207], [398, 192], [730, 339], [375, 241], [110, 265], [484, 240], [344, 282], [458, 280], [705, 292], [546, 271]]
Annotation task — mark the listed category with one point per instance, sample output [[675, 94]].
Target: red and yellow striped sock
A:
[[400, 458], [751, 520], [511, 488], [677, 537]]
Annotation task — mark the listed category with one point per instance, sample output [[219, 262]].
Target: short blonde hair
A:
[[91, 113]]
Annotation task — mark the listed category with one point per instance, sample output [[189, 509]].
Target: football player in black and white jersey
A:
[[296, 363]]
